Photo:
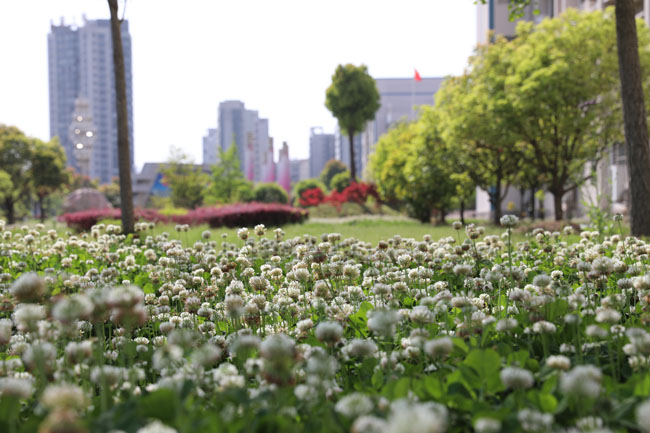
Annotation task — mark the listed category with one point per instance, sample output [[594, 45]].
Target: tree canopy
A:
[[353, 99]]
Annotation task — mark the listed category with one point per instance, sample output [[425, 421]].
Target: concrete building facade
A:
[[210, 147], [322, 148], [399, 102], [248, 132], [80, 65]]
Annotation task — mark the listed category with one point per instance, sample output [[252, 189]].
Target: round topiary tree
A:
[[331, 169], [270, 192], [340, 181]]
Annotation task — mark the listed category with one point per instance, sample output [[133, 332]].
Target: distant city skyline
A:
[[275, 56]]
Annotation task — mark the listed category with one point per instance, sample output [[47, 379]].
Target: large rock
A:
[[84, 199]]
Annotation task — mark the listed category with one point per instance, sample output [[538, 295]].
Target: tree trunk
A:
[[634, 118], [353, 167], [557, 203], [532, 203], [41, 207], [11, 216], [123, 145], [522, 202], [496, 202], [462, 212]]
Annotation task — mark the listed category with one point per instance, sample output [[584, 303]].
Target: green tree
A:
[[409, 167], [16, 151], [475, 122], [353, 99], [48, 171], [628, 30], [331, 169], [123, 145], [270, 192], [340, 181], [111, 191], [228, 182], [187, 181], [562, 88]]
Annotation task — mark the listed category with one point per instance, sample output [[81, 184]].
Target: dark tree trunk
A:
[[495, 199], [353, 166], [9, 206], [522, 202], [41, 207], [557, 203], [634, 118], [532, 203], [462, 212], [123, 145]]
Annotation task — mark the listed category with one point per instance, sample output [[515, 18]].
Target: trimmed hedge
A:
[[233, 215]]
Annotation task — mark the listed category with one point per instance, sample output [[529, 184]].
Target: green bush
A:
[[340, 181], [331, 169], [270, 193]]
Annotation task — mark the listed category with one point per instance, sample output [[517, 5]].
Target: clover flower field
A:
[[100, 332]]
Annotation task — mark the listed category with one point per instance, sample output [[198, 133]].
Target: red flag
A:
[[417, 76]]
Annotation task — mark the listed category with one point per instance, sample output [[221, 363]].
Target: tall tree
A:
[[475, 123], [123, 145], [634, 117], [562, 86], [228, 182], [48, 171], [187, 181], [15, 160], [634, 113], [353, 99]]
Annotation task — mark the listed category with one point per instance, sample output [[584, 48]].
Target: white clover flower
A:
[[156, 427], [304, 326], [383, 322], [439, 347], [64, 396], [516, 378], [509, 221], [643, 416], [409, 417], [487, 425], [607, 315], [421, 315], [506, 324], [16, 387], [583, 381], [535, 422], [369, 424], [354, 405], [28, 287], [558, 362], [359, 348], [5, 331], [26, 316]]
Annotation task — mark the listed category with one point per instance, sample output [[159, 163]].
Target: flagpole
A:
[[412, 98]]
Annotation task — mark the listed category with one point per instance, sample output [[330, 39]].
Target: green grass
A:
[[367, 230]]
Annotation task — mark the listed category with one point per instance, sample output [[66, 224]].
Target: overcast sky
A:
[[277, 56]]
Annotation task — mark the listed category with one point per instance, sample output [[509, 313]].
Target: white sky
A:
[[277, 56]]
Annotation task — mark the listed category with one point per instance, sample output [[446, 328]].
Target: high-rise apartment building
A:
[[248, 132], [322, 148], [210, 146], [80, 63]]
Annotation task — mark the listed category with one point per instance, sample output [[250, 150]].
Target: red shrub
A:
[[234, 215], [244, 215], [359, 192], [84, 220], [311, 197]]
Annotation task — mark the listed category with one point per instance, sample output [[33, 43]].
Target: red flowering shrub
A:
[[311, 197], [244, 215], [84, 220], [359, 192], [234, 215]]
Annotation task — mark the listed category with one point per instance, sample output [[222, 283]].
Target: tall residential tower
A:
[[80, 63]]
